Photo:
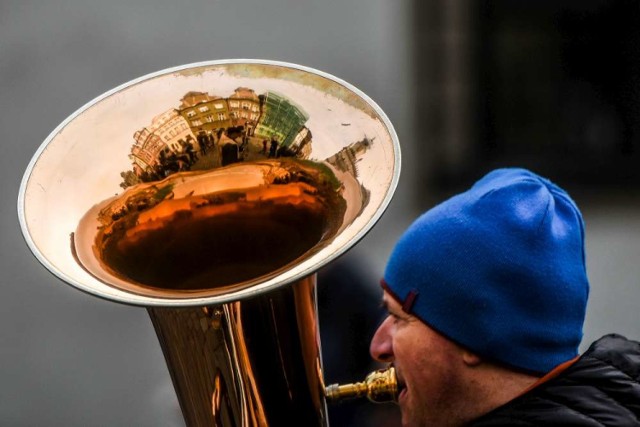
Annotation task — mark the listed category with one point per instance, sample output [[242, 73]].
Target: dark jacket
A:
[[602, 388]]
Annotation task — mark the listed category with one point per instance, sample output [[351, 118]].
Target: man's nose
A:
[[381, 348]]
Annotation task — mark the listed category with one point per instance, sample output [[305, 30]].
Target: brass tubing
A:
[[251, 363]]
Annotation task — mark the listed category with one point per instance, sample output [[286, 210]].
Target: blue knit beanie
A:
[[499, 269]]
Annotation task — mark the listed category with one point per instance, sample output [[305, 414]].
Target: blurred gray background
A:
[[467, 85]]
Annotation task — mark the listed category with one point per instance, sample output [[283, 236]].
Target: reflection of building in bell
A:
[[195, 134], [205, 112], [301, 145], [163, 135], [244, 108], [280, 119], [211, 113], [346, 159]]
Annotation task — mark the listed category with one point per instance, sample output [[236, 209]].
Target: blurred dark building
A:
[[350, 311], [549, 85]]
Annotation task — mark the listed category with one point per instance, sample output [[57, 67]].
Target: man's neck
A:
[[491, 386]]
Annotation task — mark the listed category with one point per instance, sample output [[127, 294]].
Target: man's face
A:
[[429, 368]]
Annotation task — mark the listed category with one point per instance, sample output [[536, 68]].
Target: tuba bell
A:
[[210, 194]]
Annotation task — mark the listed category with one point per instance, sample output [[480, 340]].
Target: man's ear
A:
[[470, 359]]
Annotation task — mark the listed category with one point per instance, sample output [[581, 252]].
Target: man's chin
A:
[[405, 408]]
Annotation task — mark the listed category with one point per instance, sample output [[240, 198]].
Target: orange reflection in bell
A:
[[220, 238]]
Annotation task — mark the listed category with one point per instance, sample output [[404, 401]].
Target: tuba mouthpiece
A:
[[379, 386]]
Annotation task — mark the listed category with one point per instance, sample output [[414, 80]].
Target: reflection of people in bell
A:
[[230, 153], [273, 148], [486, 296], [202, 143], [241, 119], [188, 149]]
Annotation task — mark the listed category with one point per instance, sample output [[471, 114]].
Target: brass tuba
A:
[[210, 194]]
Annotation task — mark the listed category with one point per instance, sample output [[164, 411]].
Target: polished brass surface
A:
[[210, 194], [254, 362], [379, 386]]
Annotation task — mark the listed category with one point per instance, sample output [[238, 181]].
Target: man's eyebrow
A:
[[384, 304]]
